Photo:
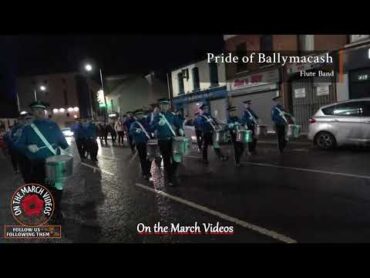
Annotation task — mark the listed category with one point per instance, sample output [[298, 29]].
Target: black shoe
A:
[[238, 165], [205, 161]]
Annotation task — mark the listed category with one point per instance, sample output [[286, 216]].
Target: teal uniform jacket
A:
[[232, 123], [164, 132], [275, 115], [250, 118], [205, 126], [140, 137], [79, 132], [90, 131], [51, 132]]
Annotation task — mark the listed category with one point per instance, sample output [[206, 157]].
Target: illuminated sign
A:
[[101, 99]]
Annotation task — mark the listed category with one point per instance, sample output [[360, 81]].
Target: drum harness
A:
[[43, 139], [168, 124], [146, 133]]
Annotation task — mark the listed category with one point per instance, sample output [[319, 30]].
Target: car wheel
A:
[[325, 140]]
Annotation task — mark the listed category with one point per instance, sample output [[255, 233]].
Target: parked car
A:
[[67, 132], [342, 123]]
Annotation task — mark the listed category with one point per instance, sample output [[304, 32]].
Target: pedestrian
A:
[[279, 120], [19, 161], [118, 126], [140, 132], [79, 133], [91, 136], [250, 120], [233, 125], [112, 132], [166, 123], [32, 145], [129, 120], [208, 126], [198, 130], [100, 131]]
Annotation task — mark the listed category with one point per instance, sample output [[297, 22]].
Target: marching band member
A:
[[129, 120], [207, 124], [250, 119], [140, 132], [198, 130], [165, 123], [279, 121], [31, 145], [233, 124]]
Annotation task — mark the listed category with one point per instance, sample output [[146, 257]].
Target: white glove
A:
[[66, 151], [230, 125], [138, 130], [33, 148], [162, 122], [181, 132], [210, 120]]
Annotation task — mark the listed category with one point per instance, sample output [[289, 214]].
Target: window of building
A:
[[306, 43], [65, 94], [241, 50], [196, 81], [266, 43], [213, 73], [180, 81]]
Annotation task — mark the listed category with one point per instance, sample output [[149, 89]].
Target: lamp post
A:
[[42, 88], [89, 68]]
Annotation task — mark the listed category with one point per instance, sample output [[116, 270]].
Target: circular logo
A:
[[32, 205]]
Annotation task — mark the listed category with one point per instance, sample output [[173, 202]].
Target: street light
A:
[[89, 68], [41, 88]]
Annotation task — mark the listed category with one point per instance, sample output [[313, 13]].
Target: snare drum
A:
[[244, 136], [58, 169], [152, 149], [220, 136], [180, 145], [293, 131], [261, 130]]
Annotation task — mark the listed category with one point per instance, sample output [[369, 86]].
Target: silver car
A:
[[342, 123]]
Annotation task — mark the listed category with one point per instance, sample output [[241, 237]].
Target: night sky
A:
[[24, 55]]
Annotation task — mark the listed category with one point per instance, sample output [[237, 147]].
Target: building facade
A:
[[70, 95], [129, 92], [301, 96], [197, 83]]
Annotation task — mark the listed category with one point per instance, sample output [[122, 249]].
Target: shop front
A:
[[308, 91], [357, 65], [215, 98], [258, 87]]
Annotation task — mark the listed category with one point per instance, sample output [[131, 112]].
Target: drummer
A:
[[280, 122], [208, 124], [165, 134], [198, 130], [250, 119], [233, 124], [140, 131], [31, 145]]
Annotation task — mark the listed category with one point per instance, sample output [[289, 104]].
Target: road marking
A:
[[309, 170], [97, 168], [237, 221]]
